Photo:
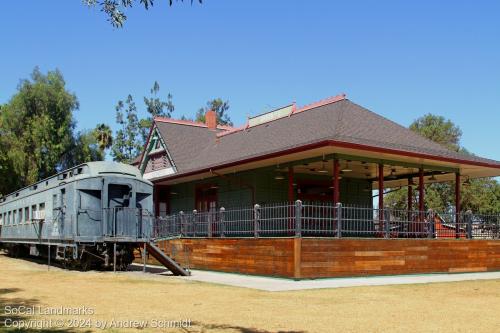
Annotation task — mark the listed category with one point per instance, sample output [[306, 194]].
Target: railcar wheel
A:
[[86, 262]]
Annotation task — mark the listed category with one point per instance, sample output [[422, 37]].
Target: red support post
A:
[[380, 186], [336, 190], [291, 195], [410, 198], [381, 211], [421, 194], [457, 205]]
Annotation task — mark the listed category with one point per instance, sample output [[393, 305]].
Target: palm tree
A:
[[104, 136]]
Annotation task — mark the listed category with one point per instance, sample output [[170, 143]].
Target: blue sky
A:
[[400, 59]]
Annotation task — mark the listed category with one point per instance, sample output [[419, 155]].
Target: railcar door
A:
[[58, 213], [121, 214], [89, 223]]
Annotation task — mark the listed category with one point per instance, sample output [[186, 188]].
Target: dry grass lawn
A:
[[441, 307]]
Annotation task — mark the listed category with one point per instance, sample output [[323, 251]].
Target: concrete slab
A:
[[278, 284]]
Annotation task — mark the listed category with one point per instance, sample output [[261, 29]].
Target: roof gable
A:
[[156, 160]]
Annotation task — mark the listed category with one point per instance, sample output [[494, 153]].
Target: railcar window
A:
[[20, 217], [33, 210], [90, 200], [142, 200], [26, 214], [41, 207], [119, 195], [9, 220], [1, 219]]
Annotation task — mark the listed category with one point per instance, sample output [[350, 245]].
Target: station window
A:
[[41, 207]]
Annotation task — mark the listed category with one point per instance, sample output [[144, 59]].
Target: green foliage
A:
[[85, 148], [114, 9], [104, 136], [438, 129], [37, 132], [128, 142], [37, 128], [155, 108], [481, 196], [133, 132], [220, 107]]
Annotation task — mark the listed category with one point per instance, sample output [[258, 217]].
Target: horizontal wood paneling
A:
[[321, 257], [358, 257], [263, 256]]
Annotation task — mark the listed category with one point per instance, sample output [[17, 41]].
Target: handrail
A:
[[297, 219]]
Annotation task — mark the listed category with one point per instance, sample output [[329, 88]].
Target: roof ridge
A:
[[322, 102], [313, 105], [190, 123]]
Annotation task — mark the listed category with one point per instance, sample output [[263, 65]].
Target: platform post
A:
[[256, 217], [222, 225], [298, 218], [432, 227], [468, 219], [387, 217], [338, 208]]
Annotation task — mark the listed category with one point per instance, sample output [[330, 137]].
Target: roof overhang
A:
[[328, 148]]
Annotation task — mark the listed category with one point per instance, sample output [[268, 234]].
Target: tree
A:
[[104, 136], [438, 129], [220, 107], [481, 195], [114, 9], [37, 129], [85, 148], [128, 142], [155, 108]]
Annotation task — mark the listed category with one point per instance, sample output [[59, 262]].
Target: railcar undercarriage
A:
[[99, 256]]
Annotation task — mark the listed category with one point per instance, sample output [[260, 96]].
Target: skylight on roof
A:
[[270, 116]]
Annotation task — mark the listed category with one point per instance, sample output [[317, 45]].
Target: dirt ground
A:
[[472, 306]]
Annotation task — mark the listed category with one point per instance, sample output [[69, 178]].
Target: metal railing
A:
[[326, 220], [124, 222]]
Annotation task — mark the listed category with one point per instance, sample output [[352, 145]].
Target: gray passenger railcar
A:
[[80, 216]]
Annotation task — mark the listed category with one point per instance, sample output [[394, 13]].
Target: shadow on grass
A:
[[7, 318], [239, 329]]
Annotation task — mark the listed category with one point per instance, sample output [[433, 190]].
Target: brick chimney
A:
[[211, 119]]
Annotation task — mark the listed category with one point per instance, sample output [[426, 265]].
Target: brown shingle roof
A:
[[197, 148], [185, 140]]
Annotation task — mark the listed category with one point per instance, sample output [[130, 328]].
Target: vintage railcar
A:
[[91, 215]]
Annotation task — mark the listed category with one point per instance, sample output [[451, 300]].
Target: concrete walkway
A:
[[277, 284]]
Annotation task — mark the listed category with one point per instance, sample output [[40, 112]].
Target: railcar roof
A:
[[89, 169]]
